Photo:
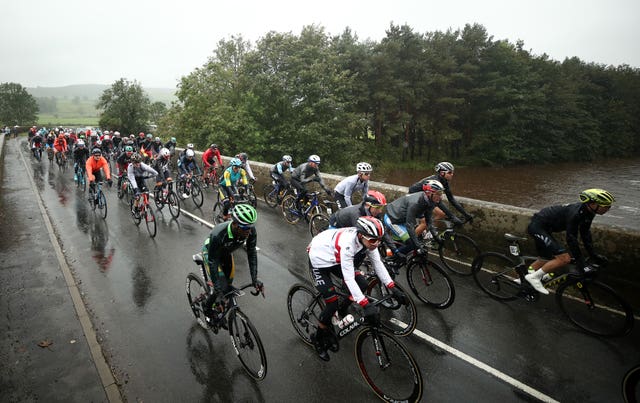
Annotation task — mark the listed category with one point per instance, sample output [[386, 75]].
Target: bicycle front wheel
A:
[[595, 308], [289, 210], [102, 205], [399, 319], [270, 195], [457, 253], [430, 283], [318, 223], [218, 209], [196, 194], [150, 220], [197, 295], [304, 306], [496, 275], [174, 204], [247, 344], [387, 366]]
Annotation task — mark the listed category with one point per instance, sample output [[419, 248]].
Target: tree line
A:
[[409, 99]]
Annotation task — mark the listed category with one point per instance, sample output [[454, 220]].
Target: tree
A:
[[125, 106], [156, 111], [17, 106]]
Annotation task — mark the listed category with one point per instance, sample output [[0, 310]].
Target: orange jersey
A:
[[93, 166], [60, 144]]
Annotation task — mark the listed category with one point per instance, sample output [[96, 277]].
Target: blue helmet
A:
[[235, 162]]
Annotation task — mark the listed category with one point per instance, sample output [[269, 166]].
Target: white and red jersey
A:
[[339, 247]]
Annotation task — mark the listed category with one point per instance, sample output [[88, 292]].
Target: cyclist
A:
[[573, 218], [94, 167], [162, 164], [135, 173], [117, 141], [444, 173], [340, 252], [36, 142], [231, 177], [48, 143], [183, 152], [80, 156], [171, 145], [217, 252], [107, 145], [122, 163], [140, 140], [278, 170], [372, 205], [305, 173], [146, 147], [358, 182], [187, 166], [403, 213], [244, 158], [60, 146], [211, 160], [156, 146]]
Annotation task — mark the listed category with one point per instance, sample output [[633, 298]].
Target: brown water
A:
[[539, 186]]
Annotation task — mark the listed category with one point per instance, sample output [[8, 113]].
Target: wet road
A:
[[134, 289]]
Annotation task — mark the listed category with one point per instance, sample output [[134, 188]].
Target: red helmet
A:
[[376, 198]]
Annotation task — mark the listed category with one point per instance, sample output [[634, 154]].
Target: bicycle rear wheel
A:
[[399, 319], [135, 214], [218, 209], [196, 194], [430, 283], [150, 221], [595, 308], [270, 195], [305, 306], [196, 295], [174, 204], [318, 223], [457, 253], [102, 205], [289, 210], [387, 366], [248, 345], [496, 275]]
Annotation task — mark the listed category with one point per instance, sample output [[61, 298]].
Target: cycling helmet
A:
[[363, 167], [99, 143], [190, 146], [128, 149], [190, 153], [287, 158], [173, 140], [60, 136], [141, 134], [136, 158], [375, 197], [80, 143], [96, 151], [244, 214], [599, 196], [432, 186], [149, 136], [106, 137], [235, 162], [242, 157], [117, 134], [314, 158], [132, 136], [444, 166], [165, 153], [214, 145], [157, 139], [370, 227]]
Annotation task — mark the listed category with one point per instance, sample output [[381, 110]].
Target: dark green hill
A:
[[93, 91]]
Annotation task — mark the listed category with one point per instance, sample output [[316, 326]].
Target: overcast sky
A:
[[64, 42]]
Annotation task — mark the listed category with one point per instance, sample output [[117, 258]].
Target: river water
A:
[[535, 187]]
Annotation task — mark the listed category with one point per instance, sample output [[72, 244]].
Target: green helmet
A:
[[599, 196], [244, 214], [128, 149]]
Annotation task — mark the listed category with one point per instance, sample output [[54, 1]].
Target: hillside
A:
[[92, 92]]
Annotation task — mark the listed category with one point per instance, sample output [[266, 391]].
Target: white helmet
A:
[[314, 158], [117, 134], [190, 146], [190, 153], [165, 153], [444, 166], [363, 167], [287, 158], [80, 143]]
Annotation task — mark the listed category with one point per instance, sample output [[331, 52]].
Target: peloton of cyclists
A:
[[358, 182]]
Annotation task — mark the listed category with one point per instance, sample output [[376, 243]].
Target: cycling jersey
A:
[[417, 187], [80, 155], [136, 175], [217, 253], [305, 173], [573, 218], [348, 185], [92, 167], [210, 157], [60, 144], [186, 165], [341, 247], [163, 166], [348, 216], [230, 178]]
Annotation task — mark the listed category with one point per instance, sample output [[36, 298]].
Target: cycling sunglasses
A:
[[380, 206], [245, 227], [372, 240]]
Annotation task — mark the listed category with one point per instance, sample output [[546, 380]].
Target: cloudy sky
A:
[[63, 42]]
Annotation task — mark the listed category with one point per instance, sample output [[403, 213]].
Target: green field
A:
[[70, 121]]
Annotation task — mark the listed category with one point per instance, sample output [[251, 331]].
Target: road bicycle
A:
[[189, 185], [309, 206], [320, 221], [386, 364], [36, 149], [589, 304], [125, 189], [97, 200], [274, 193], [212, 179], [426, 278], [218, 209], [80, 177], [456, 250], [141, 209], [244, 336], [50, 155], [165, 195], [61, 161]]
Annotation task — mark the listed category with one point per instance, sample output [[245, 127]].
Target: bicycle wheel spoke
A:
[[430, 283], [196, 295], [247, 345], [150, 221], [388, 367], [496, 275], [304, 308], [458, 252]]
